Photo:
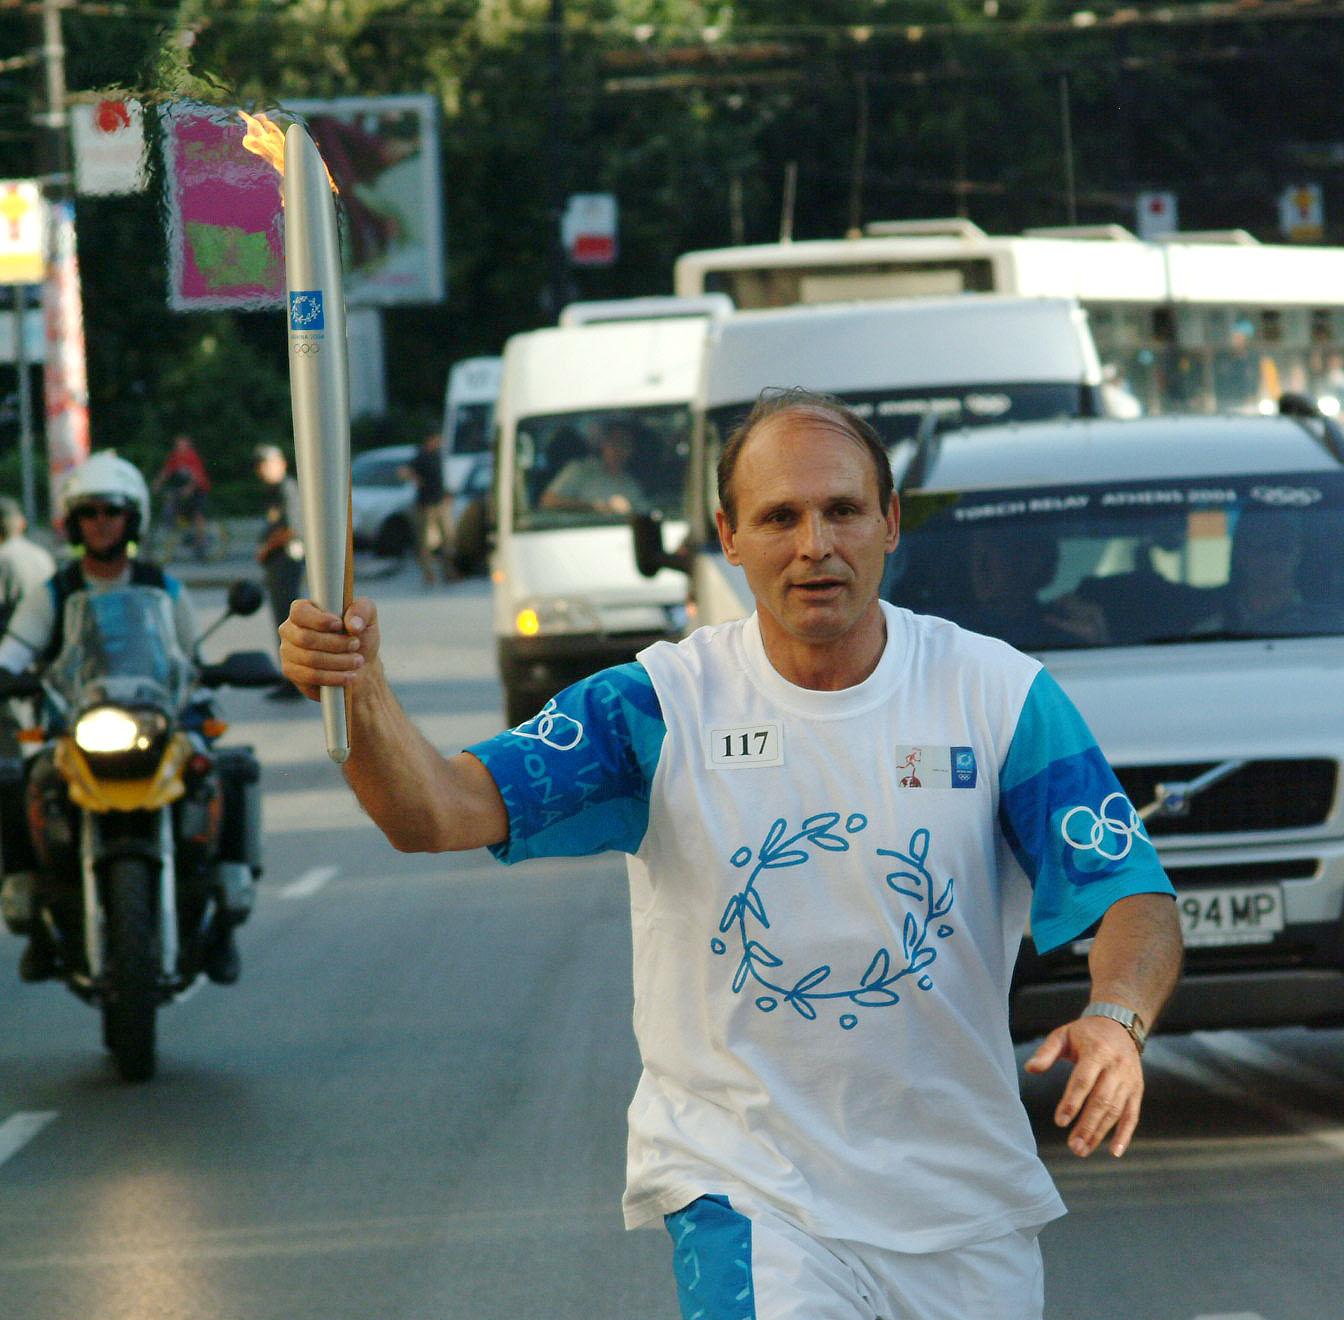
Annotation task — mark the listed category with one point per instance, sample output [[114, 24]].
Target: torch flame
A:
[[267, 140]]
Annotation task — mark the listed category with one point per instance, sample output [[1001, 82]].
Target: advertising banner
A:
[[22, 213], [225, 239]]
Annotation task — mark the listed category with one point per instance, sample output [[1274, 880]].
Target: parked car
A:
[[383, 500], [1182, 580]]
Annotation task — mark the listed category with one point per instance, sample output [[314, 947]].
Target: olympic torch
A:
[[320, 393]]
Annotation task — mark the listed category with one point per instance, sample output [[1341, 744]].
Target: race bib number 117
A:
[[745, 747]]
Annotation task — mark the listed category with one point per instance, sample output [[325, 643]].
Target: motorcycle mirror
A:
[[241, 669], [244, 597]]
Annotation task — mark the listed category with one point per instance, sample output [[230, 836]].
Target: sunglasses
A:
[[99, 511]]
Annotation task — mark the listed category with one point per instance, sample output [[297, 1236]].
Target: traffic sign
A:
[[1302, 213], [21, 232], [588, 229], [1155, 214]]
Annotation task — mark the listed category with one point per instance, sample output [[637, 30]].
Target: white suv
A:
[[1183, 580]]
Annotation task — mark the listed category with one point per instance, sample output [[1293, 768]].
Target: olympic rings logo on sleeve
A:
[[1100, 824], [553, 727]]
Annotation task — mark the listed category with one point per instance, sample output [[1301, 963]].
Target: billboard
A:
[[225, 240]]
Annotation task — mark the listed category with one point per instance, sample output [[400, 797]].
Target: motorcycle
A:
[[143, 838]]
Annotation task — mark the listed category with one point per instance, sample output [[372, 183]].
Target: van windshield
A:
[[587, 469], [896, 414], [471, 428], [1128, 563]]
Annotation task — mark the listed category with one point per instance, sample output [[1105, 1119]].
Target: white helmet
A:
[[105, 476]]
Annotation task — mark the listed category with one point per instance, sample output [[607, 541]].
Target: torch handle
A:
[[335, 724], [335, 712]]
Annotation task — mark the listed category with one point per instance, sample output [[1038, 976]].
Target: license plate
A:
[[1248, 914]]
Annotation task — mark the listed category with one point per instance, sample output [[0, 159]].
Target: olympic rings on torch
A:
[[306, 347], [1100, 824]]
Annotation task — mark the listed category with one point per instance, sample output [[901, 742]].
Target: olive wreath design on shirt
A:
[[815, 988]]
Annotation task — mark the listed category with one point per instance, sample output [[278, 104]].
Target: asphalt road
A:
[[412, 1105]]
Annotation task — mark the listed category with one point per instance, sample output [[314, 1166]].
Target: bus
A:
[[1212, 321]]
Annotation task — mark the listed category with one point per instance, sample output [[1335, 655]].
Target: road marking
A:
[[1233, 1088], [1245, 1049], [308, 883], [19, 1129]]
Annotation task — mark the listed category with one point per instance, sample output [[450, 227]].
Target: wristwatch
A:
[[1126, 1017]]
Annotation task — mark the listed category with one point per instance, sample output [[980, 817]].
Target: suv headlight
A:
[[552, 615], [111, 729]]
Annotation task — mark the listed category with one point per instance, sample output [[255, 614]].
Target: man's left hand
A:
[[1105, 1089]]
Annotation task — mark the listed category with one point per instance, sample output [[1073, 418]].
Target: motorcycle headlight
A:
[[112, 729]]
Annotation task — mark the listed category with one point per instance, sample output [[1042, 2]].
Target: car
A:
[[383, 499], [1180, 578]]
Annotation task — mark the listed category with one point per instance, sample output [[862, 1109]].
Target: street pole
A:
[[65, 372], [555, 158], [1066, 128]]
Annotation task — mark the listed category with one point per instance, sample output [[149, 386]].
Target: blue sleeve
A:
[[575, 778], [1068, 821]]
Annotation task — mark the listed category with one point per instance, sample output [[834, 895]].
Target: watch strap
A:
[[1126, 1017]]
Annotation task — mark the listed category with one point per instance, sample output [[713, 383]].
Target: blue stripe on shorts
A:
[[711, 1258]]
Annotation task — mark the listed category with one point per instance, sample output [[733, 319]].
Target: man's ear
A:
[[727, 536], [893, 522]]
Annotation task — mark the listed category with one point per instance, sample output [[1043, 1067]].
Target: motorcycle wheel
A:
[[133, 969]]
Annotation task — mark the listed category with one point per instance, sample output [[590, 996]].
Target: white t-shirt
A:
[[828, 890]]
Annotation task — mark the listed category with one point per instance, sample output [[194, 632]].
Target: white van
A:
[[593, 425], [469, 417], [909, 367]]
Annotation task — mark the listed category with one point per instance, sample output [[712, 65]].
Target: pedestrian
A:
[[24, 565], [280, 548], [838, 816], [434, 531]]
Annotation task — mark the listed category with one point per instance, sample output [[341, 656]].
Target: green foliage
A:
[[689, 111]]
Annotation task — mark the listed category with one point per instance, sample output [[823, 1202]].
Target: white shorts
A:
[[731, 1267]]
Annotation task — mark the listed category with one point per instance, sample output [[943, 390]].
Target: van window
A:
[[590, 468], [896, 414], [1128, 564], [471, 428]]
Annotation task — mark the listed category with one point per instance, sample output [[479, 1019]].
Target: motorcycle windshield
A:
[[121, 646]]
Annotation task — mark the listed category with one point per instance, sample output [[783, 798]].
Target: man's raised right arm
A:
[[421, 800]]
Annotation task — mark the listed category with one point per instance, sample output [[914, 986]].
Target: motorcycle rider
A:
[[105, 507]]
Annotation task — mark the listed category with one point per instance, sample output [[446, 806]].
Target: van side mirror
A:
[[244, 597], [646, 531]]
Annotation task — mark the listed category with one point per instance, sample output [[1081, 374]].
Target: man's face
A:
[[272, 470], [616, 448], [810, 533], [102, 526]]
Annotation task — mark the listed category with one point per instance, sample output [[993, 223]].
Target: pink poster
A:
[[225, 237], [225, 243]]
